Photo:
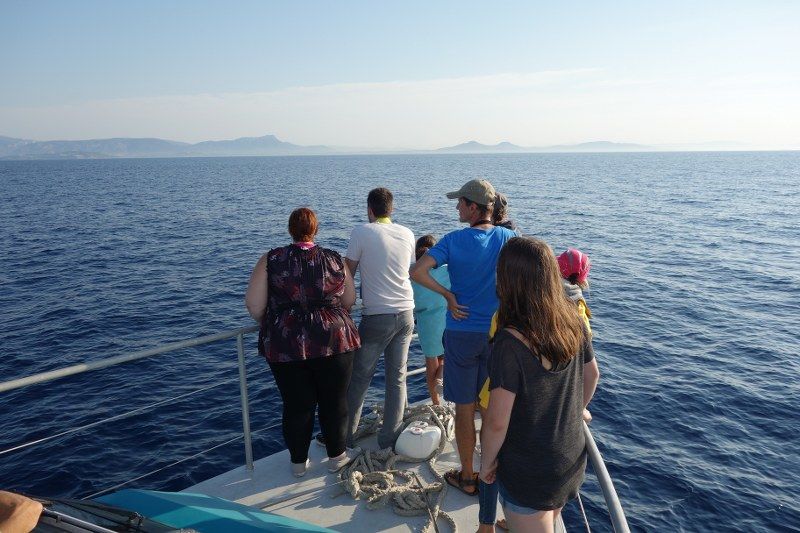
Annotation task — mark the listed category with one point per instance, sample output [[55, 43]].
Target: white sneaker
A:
[[337, 463], [299, 469]]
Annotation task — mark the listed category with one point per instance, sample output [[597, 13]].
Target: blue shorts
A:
[[466, 356], [509, 504]]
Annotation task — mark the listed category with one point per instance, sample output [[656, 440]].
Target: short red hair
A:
[[303, 224]]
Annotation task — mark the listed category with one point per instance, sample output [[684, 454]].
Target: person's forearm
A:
[[424, 278], [349, 296], [492, 438], [435, 286]]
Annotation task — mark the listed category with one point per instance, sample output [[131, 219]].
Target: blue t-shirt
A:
[[471, 258]]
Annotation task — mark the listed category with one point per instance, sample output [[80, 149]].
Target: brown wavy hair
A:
[[532, 300], [424, 243]]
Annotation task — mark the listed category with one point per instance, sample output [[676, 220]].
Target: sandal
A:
[[454, 479], [502, 524]]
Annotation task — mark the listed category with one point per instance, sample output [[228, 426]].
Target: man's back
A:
[[471, 255], [384, 252]]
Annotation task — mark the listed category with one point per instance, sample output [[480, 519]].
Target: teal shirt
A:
[[430, 310]]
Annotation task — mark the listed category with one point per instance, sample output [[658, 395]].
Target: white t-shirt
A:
[[384, 253]]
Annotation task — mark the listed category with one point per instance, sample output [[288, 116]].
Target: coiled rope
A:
[[371, 475]]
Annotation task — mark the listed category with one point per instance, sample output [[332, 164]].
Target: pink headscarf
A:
[[574, 262]]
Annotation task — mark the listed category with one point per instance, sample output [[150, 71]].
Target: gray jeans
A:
[[389, 334]]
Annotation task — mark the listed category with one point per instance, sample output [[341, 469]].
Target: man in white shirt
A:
[[384, 252]]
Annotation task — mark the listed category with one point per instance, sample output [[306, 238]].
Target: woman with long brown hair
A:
[[543, 374]]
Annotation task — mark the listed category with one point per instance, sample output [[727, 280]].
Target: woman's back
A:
[[542, 459], [298, 275], [304, 318]]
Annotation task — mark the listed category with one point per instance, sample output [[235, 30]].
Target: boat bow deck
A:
[[319, 499]]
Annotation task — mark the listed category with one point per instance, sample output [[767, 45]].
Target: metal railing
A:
[[61, 373], [143, 354], [615, 511], [606, 485]]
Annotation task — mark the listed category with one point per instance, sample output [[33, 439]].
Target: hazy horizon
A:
[[720, 145], [415, 77]]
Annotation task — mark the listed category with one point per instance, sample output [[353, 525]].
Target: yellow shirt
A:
[[483, 395]]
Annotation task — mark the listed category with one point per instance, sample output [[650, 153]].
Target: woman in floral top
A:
[[301, 295]]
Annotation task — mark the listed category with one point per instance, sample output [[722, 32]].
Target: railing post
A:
[[248, 443]]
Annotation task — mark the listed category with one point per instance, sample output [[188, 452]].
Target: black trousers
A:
[[304, 385]]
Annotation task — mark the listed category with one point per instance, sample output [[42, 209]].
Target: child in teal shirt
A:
[[430, 310]]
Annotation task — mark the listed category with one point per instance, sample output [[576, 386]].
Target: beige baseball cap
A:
[[478, 191]]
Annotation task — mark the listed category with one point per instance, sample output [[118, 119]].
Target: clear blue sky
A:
[[55, 55]]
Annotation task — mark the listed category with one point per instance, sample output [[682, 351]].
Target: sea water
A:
[[694, 291]]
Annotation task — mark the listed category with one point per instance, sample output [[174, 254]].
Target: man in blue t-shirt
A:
[[471, 258]]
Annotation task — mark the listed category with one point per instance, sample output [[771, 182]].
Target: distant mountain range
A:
[[269, 145], [11, 148], [473, 147]]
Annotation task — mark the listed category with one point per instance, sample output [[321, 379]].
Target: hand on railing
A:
[[587, 416]]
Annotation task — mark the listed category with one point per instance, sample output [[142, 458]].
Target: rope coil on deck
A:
[[371, 475]]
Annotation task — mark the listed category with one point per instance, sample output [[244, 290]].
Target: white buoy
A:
[[419, 440]]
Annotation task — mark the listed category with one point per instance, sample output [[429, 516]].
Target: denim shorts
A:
[[466, 356], [509, 504]]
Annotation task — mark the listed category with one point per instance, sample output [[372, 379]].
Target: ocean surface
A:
[[694, 291]]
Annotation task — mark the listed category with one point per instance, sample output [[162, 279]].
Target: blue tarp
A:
[[203, 513]]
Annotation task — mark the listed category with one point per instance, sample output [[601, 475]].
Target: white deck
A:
[[272, 488]]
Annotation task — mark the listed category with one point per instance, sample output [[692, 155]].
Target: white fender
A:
[[419, 440]]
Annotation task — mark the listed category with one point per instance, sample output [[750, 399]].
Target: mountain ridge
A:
[[271, 145]]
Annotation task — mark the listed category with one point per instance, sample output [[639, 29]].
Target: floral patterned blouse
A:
[[304, 318]]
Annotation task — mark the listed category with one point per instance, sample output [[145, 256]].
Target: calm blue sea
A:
[[694, 290]]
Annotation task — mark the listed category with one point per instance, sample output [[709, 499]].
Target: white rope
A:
[[583, 512], [371, 475]]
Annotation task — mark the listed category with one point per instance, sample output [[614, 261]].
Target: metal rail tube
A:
[[103, 363], [248, 442], [618, 519], [415, 372]]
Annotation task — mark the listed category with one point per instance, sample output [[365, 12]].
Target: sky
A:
[[403, 76]]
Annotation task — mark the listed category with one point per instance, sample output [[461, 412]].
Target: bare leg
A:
[[465, 437], [433, 371], [541, 522]]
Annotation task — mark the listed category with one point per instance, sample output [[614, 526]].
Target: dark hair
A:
[[424, 243], [380, 200], [500, 208], [303, 224], [532, 300], [482, 209]]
